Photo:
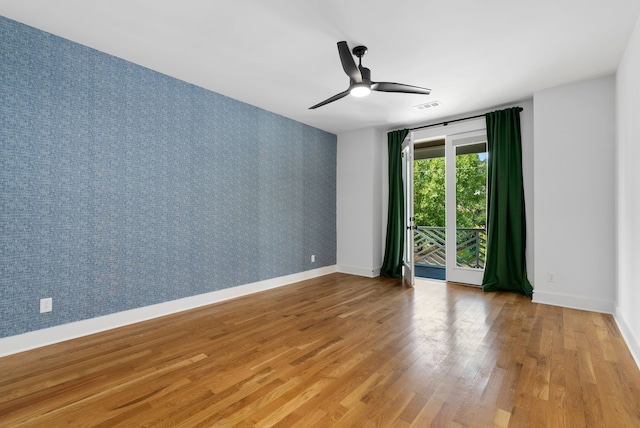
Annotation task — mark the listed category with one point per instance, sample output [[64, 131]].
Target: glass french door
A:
[[408, 271], [466, 209]]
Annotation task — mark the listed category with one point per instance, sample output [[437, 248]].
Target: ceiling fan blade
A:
[[399, 87], [330, 100], [348, 64]]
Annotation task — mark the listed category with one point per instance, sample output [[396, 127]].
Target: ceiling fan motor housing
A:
[[366, 74]]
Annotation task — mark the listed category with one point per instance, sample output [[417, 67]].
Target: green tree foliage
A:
[[429, 193], [471, 191]]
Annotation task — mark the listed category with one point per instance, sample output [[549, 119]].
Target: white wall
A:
[[379, 216], [526, 133], [628, 193], [359, 196], [574, 216]]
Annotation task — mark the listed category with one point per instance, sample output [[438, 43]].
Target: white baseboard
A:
[[633, 342], [360, 271], [35, 339], [574, 302]]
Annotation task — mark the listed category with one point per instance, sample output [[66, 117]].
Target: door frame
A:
[[408, 259], [455, 273], [451, 133]]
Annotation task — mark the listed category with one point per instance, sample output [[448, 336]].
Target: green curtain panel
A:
[[505, 268], [392, 264]]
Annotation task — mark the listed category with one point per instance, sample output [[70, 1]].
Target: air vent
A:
[[427, 106]]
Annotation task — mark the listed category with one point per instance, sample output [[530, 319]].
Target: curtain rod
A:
[[447, 122], [454, 120]]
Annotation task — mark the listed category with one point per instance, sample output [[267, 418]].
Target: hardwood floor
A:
[[337, 350]]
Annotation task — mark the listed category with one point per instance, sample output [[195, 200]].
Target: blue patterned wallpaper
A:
[[121, 187]]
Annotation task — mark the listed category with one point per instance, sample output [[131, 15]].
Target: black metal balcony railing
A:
[[471, 246]]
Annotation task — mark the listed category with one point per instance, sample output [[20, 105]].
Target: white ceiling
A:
[[281, 55]]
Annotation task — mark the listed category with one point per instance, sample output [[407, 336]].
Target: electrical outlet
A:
[[313, 258], [46, 305], [551, 277]]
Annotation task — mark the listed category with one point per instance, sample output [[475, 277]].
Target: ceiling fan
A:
[[360, 83]]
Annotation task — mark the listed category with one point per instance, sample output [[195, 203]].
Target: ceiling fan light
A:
[[360, 90]]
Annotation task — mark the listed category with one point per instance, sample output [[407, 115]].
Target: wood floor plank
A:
[[338, 350]]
